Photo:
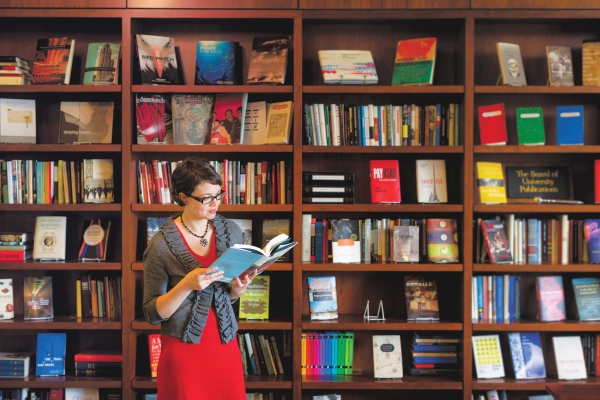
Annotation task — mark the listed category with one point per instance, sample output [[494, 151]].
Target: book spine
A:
[[84, 357]]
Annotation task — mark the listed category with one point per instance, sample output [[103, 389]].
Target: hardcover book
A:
[[50, 355], [442, 240], [530, 126], [154, 347], [385, 181], [587, 297], [192, 116], [421, 299], [490, 183], [98, 181], [406, 243], [17, 121], [272, 228], [216, 63], [496, 241], [345, 243], [102, 64], [348, 67], [492, 125], [246, 228], [154, 119], [86, 122], [37, 298], [511, 64], [415, 62], [53, 61], [591, 230], [570, 362], [94, 240], [560, 65], [153, 225], [268, 60], [16, 365], [590, 56], [551, 298], [431, 181], [569, 125], [254, 303], [322, 297], [7, 300], [387, 356], [255, 123], [279, 122], [228, 118], [50, 238], [488, 356], [82, 393], [527, 355], [157, 61]]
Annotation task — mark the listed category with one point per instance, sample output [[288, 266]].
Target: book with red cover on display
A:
[[551, 298], [496, 241], [53, 61], [385, 181], [492, 125], [154, 353], [99, 356]]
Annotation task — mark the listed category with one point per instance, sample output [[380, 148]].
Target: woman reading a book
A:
[[200, 357]]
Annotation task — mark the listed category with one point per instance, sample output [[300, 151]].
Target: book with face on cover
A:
[[157, 60], [102, 64], [50, 238], [228, 118], [422, 302], [268, 60], [415, 62], [560, 65], [86, 122], [511, 64]]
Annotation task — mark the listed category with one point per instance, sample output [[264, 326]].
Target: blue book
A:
[[319, 241], [50, 355], [419, 348], [480, 297], [216, 63], [436, 360], [327, 354], [527, 355], [569, 125], [151, 396], [518, 298], [334, 336], [511, 296], [533, 242], [499, 299], [438, 127], [541, 397], [587, 297]]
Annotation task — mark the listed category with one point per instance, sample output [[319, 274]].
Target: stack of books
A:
[[327, 188], [99, 363], [16, 246], [14, 71], [434, 355], [17, 365]]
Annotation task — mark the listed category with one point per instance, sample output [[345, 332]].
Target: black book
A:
[[329, 177], [99, 365], [86, 296]]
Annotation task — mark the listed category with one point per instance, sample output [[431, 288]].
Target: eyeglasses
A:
[[209, 199]]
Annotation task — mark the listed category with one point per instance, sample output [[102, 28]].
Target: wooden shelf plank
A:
[[31, 265], [236, 148], [272, 324], [385, 149], [537, 208], [382, 267], [171, 208], [377, 89], [364, 382], [537, 90], [63, 323], [528, 384], [60, 88], [90, 208], [510, 149], [542, 268], [63, 148], [357, 323], [539, 326], [139, 266], [212, 89], [51, 382], [252, 382], [386, 208]]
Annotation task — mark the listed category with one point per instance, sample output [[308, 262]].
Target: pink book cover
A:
[[551, 298], [317, 353]]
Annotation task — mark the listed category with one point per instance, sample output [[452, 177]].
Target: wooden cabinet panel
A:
[[536, 4], [64, 4], [225, 4], [383, 4]]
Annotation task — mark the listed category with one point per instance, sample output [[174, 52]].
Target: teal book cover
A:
[[530, 126], [587, 297], [102, 64], [216, 63]]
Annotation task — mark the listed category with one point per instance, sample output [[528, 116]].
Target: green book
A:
[[530, 126], [349, 352], [254, 303]]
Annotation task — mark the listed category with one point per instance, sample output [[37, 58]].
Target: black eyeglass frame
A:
[[202, 200]]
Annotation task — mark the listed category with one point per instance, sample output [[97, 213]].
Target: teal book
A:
[[587, 297], [102, 64], [530, 126]]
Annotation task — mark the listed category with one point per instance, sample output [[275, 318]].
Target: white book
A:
[[431, 181], [7, 300], [50, 235], [564, 223], [322, 127], [306, 225], [568, 354], [387, 356], [335, 125], [474, 293], [488, 356], [255, 123], [17, 121], [82, 393], [397, 124], [351, 67], [510, 232], [492, 395]]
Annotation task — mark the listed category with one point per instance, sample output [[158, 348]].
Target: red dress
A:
[[208, 370]]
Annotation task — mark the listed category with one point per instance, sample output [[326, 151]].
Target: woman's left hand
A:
[[238, 287]]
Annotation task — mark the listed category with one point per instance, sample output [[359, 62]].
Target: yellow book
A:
[[590, 51], [78, 298], [279, 121], [490, 181], [254, 303], [303, 353], [61, 192]]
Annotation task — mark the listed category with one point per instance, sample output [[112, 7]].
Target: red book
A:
[[154, 352], [15, 255], [99, 356], [485, 298], [492, 125], [551, 298], [56, 393], [385, 181], [597, 181]]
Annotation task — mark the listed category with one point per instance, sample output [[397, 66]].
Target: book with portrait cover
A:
[[216, 63], [488, 356], [551, 298], [442, 240], [154, 119], [154, 347], [53, 61], [387, 356], [228, 118], [94, 240], [98, 181], [415, 62], [156, 59], [345, 241], [50, 236], [496, 241], [587, 297], [385, 181], [322, 297], [7, 300], [527, 355], [50, 355], [492, 125], [37, 298], [102, 64], [560, 65], [431, 181], [570, 361], [254, 303], [268, 60], [421, 299], [511, 64], [192, 116], [86, 122], [406, 243], [17, 121]]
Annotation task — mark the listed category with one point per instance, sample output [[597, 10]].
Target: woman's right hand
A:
[[201, 278]]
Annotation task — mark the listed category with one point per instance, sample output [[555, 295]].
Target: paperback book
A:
[[421, 299], [488, 356], [254, 303], [527, 355], [406, 243], [560, 65], [587, 297], [511, 64], [217, 63], [50, 238], [496, 241], [154, 119], [228, 118], [385, 181], [94, 240], [347, 67], [442, 240], [415, 62], [345, 242], [192, 116], [431, 181], [591, 230], [98, 181], [387, 356], [154, 348], [279, 122], [490, 183], [102, 64], [53, 61], [322, 297], [255, 123], [50, 355], [551, 298], [569, 125], [570, 361], [157, 61], [7, 300], [268, 60], [86, 122], [37, 298], [17, 121]]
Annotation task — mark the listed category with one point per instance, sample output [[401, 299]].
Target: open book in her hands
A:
[[243, 259]]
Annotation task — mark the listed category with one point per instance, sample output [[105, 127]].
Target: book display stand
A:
[[380, 314]]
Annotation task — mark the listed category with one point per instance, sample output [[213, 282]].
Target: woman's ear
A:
[[182, 197]]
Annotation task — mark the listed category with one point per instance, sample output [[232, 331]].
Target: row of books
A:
[[434, 354], [60, 182], [327, 353], [591, 352], [501, 395], [385, 125], [103, 369], [496, 298], [260, 354], [379, 240], [265, 396], [56, 393], [99, 296], [530, 125]]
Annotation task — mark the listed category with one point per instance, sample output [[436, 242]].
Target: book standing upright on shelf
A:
[[530, 126], [569, 125], [154, 348], [551, 298], [156, 59], [279, 122], [422, 303], [488, 356], [490, 183], [49, 242], [86, 122], [387, 356], [587, 297], [192, 117], [228, 118], [496, 241], [415, 62], [322, 297], [268, 60], [98, 181], [38, 300], [442, 240], [7, 300], [272, 228], [492, 125], [217, 63], [17, 121], [53, 61], [102, 64], [50, 355], [568, 353], [560, 66], [511, 64], [527, 355], [255, 123], [94, 240], [590, 64], [254, 303], [345, 243], [591, 229], [385, 181], [406, 243], [154, 119], [431, 181]]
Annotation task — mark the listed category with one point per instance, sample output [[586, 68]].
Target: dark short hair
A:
[[192, 171], [230, 110]]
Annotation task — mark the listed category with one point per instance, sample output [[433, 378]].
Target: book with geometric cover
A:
[[406, 243], [415, 62], [37, 298], [442, 240], [496, 241], [527, 355], [322, 297], [387, 356], [490, 182], [530, 126], [7, 300], [86, 122], [94, 241], [102, 64], [551, 298], [268, 60], [511, 64], [421, 299], [488, 356], [348, 67], [192, 116], [156, 59], [254, 303], [587, 297], [53, 61], [560, 65], [569, 125], [216, 63]]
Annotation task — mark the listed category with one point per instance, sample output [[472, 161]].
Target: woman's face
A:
[[204, 211]]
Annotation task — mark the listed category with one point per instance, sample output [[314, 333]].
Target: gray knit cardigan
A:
[[166, 262]]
